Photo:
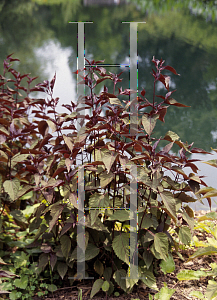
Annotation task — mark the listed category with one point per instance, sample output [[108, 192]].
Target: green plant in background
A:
[[164, 294], [209, 247]]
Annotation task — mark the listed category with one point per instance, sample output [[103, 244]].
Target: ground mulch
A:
[[183, 288]]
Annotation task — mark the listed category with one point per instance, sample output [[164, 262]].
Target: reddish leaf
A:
[[172, 101], [199, 150], [58, 171], [171, 69], [45, 140], [143, 92], [162, 112], [43, 128]]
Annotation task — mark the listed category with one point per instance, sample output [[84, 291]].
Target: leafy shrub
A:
[[40, 163]]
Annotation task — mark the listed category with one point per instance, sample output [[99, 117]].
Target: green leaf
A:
[[185, 235], [62, 269], [15, 295], [197, 294], [98, 267], [90, 252], [190, 275], [203, 251], [149, 122], [23, 191], [120, 215], [170, 204], [148, 258], [168, 265], [120, 277], [120, 245], [2, 262], [12, 187], [148, 279], [107, 273], [165, 293], [105, 286], [18, 215], [22, 282], [187, 218], [147, 221], [18, 158], [6, 286], [98, 200], [65, 242], [55, 213], [161, 244], [96, 287], [211, 290], [209, 216], [52, 287], [105, 178], [108, 158]]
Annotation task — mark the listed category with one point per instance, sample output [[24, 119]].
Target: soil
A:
[[182, 288]]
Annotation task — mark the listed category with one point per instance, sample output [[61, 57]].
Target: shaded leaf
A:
[[52, 287], [120, 277], [98, 267], [65, 242], [18, 215], [62, 269], [120, 245], [43, 128], [148, 279], [96, 287]]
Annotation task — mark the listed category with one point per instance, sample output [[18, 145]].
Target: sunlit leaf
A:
[[149, 122], [168, 265], [161, 244], [210, 250], [120, 245], [12, 187], [190, 275], [185, 235], [211, 290]]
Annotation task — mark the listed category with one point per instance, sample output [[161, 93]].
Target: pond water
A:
[[183, 33]]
